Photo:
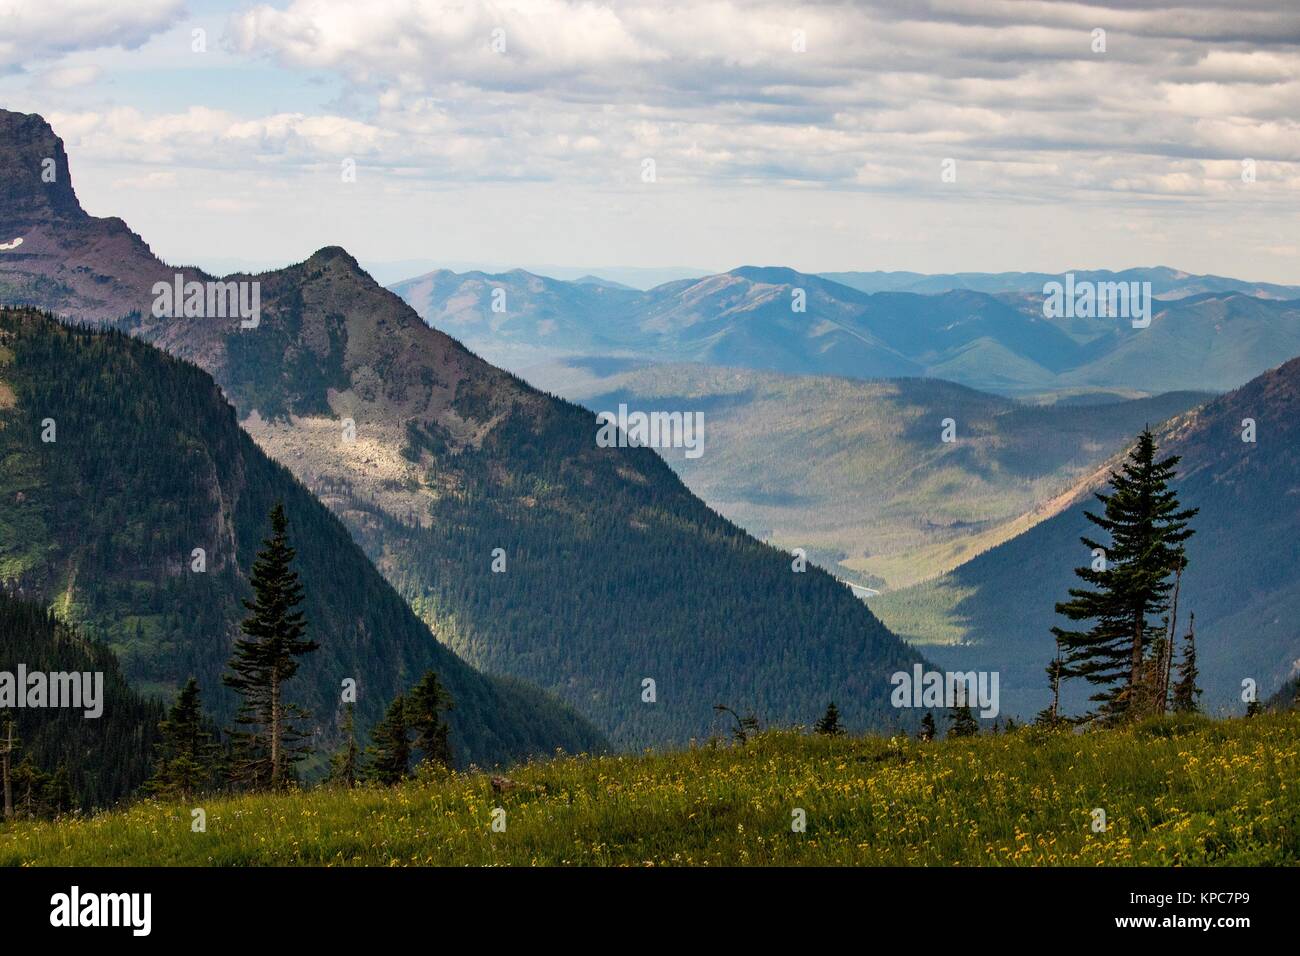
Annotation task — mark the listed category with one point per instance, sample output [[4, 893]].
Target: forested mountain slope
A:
[[1242, 582], [103, 758], [146, 463], [615, 574]]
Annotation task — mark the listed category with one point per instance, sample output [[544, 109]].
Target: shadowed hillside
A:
[[1241, 581], [147, 464]]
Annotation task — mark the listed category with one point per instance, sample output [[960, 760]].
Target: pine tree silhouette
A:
[[1147, 528], [345, 764], [264, 661], [390, 748], [829, 724], [425, 705], [186, 755]]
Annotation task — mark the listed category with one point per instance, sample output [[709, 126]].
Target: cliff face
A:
[[95, 270]]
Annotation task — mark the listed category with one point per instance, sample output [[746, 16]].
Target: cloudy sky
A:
[[812, 135]]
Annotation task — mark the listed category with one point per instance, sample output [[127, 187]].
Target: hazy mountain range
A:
[[439, 464], [1207, 335], [1166, 283], [856, 473]]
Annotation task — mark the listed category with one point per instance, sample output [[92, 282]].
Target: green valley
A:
[[857, 472]]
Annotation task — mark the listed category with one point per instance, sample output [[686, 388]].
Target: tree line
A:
[[271, 737], [54, 759]]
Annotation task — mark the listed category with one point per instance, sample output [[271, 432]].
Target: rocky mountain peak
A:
[[34, 179]]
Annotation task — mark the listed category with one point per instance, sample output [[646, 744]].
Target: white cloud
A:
[[207, 137], [34, 30], [714, 92], [226, 204], [156, 179], [68, 77]]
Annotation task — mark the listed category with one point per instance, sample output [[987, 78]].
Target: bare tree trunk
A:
[[4, 764], [275, 731], [1135, 671], [1056, 686], [1167, 664]]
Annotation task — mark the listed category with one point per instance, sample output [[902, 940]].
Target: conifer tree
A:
[[390, 748], [425, 705], [1186, 691], [186, 756], [928, 729], [1147, 528], [345, 764], [964, 723], [829, 724], [264, 661]]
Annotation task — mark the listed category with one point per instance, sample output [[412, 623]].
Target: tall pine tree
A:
[[1128, 595], [964, 723], [264, 661]]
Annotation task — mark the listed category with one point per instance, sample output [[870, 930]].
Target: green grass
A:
[[1175, 791]]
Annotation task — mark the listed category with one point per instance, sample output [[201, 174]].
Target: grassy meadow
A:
[[1175, 791]]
